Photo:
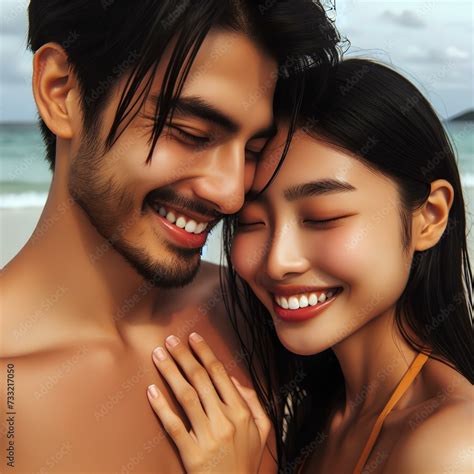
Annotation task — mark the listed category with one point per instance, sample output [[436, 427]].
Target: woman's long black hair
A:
[[381, 118]]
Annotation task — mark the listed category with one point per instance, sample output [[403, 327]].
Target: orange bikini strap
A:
[[405, 382]]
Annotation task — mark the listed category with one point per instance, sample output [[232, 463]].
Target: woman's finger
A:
[[171, 422], [184, 392], [197, 376], [216, 370], [258, 413]]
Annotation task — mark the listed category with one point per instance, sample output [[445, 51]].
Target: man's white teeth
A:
[[171, 217], [302, 301], [190, 225], [181, 222]]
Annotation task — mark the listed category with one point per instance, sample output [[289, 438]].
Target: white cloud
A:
[[437, 57], [455, 53], [444, 55], [406, 18]]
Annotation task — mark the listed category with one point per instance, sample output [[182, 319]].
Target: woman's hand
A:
[[229, 426]]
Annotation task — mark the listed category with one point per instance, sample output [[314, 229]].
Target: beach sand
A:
[[17, 225]]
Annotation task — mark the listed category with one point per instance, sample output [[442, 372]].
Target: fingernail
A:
[[195, 337], [153, 391], [235, 381], [159, 353], [172, 341]]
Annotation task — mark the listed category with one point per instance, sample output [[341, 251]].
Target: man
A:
[[154, 115]]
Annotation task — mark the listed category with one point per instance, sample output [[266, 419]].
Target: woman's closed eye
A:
[[253, 154], [323, 222], [250, 220], [249, 223]]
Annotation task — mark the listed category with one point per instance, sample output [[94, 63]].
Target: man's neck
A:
[[68, 268]]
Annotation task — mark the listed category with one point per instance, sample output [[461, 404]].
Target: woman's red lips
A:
[[302, 314]]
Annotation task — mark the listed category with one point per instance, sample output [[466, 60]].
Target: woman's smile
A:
[[303, 306]]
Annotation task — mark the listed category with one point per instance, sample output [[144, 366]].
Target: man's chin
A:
[[178, 270]]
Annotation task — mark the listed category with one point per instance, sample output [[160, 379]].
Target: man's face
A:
[[158, 215]]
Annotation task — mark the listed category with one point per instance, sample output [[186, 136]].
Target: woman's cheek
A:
[[248, 253], [340, 252], [368, 257]]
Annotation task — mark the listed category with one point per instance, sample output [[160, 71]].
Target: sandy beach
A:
[[17, 225]]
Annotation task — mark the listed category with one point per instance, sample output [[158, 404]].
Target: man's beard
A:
[[110, 210]]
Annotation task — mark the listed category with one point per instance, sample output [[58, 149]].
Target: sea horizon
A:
[[25, 176]]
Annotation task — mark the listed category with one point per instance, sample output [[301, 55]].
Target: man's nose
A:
[[223, 181], [285, 257]]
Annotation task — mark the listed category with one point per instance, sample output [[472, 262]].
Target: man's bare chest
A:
[[90, 413]]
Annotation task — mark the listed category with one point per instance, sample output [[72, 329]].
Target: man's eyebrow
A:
[[198, 107], [317, 188]]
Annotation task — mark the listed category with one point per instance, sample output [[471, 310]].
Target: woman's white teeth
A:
[[190, 226], [284, 303], [313, 299], [302, 301], [293, 303]]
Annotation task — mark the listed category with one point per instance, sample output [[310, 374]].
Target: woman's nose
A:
[[285, 256]]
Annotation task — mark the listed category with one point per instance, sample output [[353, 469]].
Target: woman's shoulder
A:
[[438, 433], [441, 442]]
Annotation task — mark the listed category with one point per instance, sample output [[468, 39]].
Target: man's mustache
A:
[[169, 196]]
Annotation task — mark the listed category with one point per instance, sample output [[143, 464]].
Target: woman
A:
[[352, 275]]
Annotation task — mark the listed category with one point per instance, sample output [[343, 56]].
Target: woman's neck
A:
[[373, 360]]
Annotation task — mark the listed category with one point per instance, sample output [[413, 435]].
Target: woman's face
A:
[[322, 247]]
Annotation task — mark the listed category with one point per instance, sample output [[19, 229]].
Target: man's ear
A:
[[53, 82], [432, 218]]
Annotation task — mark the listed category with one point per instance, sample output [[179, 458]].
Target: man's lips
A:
[[180, 236], [183, 227], [188, 214]]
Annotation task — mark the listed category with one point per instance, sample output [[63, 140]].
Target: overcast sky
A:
[[429, 41]]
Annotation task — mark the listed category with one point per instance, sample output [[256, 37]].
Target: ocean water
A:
[[25, 176]]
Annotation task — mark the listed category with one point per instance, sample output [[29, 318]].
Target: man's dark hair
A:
[[106, 39]]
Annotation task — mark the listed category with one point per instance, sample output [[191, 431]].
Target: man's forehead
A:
[[231, 79]]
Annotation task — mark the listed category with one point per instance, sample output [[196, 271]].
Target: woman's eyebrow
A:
[[317, 188]]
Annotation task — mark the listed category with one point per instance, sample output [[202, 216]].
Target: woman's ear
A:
[[431, 220], [53, 82]]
